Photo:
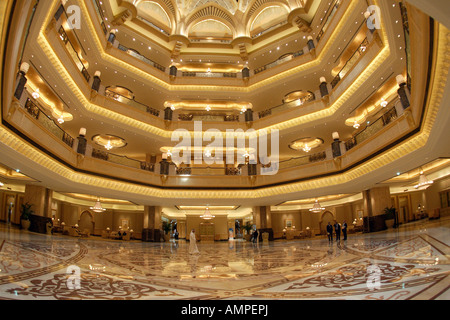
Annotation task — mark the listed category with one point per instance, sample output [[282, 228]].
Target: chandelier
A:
[[423, 182], [316, 207], [36, 94], [356, 125], [207, 215], [306, 148], [108, 146], [98, 207], [61, 119]]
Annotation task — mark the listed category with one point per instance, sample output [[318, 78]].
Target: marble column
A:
[[151, 224], [41, 199], [375, 200], [262, 217]]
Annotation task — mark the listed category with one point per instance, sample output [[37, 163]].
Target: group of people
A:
[[337, 228]]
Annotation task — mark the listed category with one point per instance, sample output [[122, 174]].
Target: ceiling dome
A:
[[191, 5], [153, 11]]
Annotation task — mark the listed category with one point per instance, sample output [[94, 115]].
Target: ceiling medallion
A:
[[316, 207], [306, 144], [109, 141]]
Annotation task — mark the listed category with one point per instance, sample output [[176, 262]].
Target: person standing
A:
[[330, 232], [255, 236], [344, 229], [337, 228], [193, 245]]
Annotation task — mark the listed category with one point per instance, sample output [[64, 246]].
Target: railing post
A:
[[21, 80], [248, 116], [173, 72], [324, 89], [336, 145], [245, 74], [168, 114], [311, 46], [82, 142], [403, 92]]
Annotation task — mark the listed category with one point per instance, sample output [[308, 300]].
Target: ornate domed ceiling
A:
[[218, 19]]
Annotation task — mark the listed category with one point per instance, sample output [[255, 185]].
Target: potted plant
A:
[[167, 227], [26, 213], [248, 227], [389, 217]]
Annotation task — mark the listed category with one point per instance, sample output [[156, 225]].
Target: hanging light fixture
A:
[[98, 206], [383, 103], [208, 108], [108, 146], [36, 94], [306, 148], [316, 207], [61, 119], [356, 125], [423, 182], [1, 184], [207, 215]]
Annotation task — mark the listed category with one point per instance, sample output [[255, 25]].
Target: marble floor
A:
[[411, 262]]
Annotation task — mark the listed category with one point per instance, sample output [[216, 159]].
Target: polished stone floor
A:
[[412, 262]]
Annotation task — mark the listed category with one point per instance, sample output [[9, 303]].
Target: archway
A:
[[86, 222], [326, 217]]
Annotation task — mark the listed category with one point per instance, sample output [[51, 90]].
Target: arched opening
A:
[[326, 217], [86, 223]]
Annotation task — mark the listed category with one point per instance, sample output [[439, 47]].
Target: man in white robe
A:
[[193, 245]]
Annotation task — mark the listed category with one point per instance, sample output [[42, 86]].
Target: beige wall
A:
[[303, 219], [432, 193], [220, 225], [279, 219], [70, 215]]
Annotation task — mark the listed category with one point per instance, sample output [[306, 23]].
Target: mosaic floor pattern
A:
[[412, 262]]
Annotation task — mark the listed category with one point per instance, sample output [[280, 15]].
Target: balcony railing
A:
[[285, 106], [351, 62], [73, 54], [285, 58], [269, 29], [47, 122], [122, 160], [217, 118], [131, 102], [153, 25], [328, 20], [209, 74], [299, 161], [139, 56], [101, 17], [372, 129], [207, 171]]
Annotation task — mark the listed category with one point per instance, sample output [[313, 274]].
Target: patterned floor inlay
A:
[[411, 262]]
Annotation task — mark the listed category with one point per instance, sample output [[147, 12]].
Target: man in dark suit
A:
[[344, 229], [255, 236], [330, 232], [337, 228]]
